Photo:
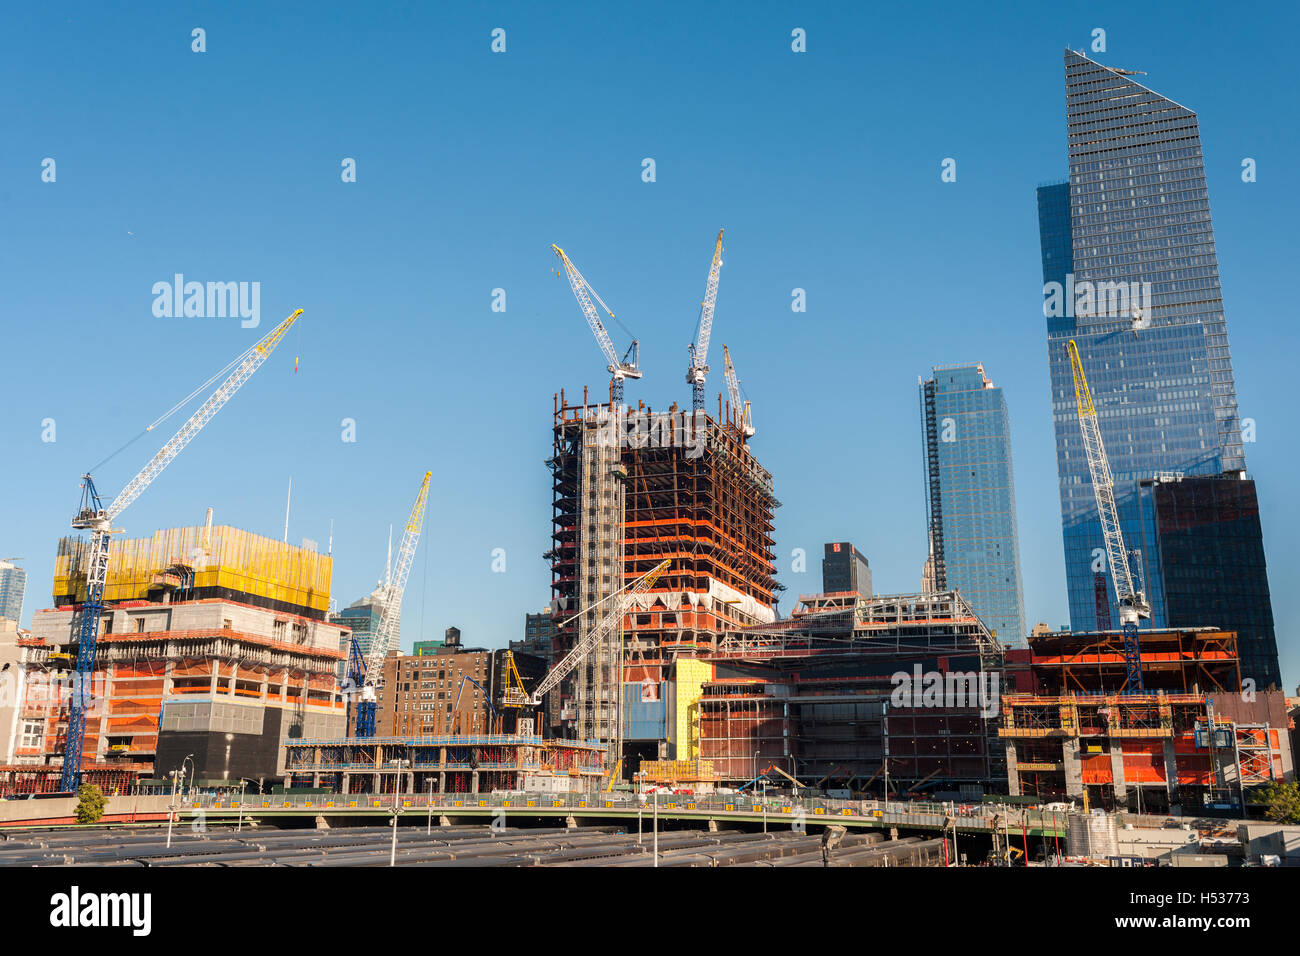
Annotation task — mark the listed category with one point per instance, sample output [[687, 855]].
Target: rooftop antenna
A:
[[331, 544], [287, 500]]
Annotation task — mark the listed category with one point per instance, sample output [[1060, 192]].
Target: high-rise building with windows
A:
[[1203, 545], [362, 617], [970, 496], [845, 568], [13, 584], [1131, 274]]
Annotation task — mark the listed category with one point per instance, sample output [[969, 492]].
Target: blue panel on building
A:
[[644, 719]]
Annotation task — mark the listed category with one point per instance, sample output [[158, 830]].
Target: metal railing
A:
[[775, 809]]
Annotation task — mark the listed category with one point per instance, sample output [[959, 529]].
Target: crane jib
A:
[[100, 523]]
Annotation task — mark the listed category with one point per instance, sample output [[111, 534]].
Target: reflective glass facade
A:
[[971, 497], [1135, 211], [1208, 550], [13, 584]]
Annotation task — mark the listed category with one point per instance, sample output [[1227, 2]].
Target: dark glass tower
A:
[[1206, 548], [845, 568], [970, 496], [1130, 273]]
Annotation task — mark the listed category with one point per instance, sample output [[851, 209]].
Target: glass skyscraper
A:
[[1131, 274], [13, 584], [1204, 545], [363, 618], [970, 496]]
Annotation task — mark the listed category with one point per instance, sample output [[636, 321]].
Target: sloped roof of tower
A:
[[1076, 59]]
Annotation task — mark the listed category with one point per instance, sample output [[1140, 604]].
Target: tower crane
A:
[[389, 614], [699, 349], [92, 516], [626, 367], [1132, 601], [622, 600], [743, 416]]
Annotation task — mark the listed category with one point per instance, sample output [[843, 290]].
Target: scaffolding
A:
[[597, 684], [198, 562], [445, 764], [19, 779], [814, 694], [632, 488]]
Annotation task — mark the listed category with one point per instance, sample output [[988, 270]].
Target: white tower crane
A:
[[628, 366], [390, 613], [742, 414], [1133, 605], [622, 599], [699, 349], [92, 516]]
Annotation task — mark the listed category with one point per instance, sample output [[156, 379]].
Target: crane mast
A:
[[389, 614], [92, 516], [699, 349], [742, 413], [1132, 601], [626, 367]]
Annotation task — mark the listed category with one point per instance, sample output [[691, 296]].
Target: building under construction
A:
[[631, 488], [477, 763], [1188, 739], [213, 644], [858, 693]]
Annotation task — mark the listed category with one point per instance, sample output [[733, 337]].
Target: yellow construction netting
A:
[[691, 676], [666, 771], [221, 557]]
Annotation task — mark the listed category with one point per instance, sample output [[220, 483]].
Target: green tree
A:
[[1281, 801], [90, 803]]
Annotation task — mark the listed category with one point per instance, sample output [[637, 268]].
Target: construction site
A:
[[206, 656], [215, 646], [818, 697], [1187, 742], [619, 510]]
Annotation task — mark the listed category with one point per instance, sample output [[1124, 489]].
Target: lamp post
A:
[[656, 826], [171, 807], [242, 785], [429, 803], [397, 785], [640, 803], [884, 742]]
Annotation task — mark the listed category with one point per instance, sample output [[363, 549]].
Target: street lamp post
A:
[[429, 802], [171, 808], [884, 739], [397, 785], [640, 804], [242, 785], [656, 827]]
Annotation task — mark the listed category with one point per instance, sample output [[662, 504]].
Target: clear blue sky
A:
[[823, 167]]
